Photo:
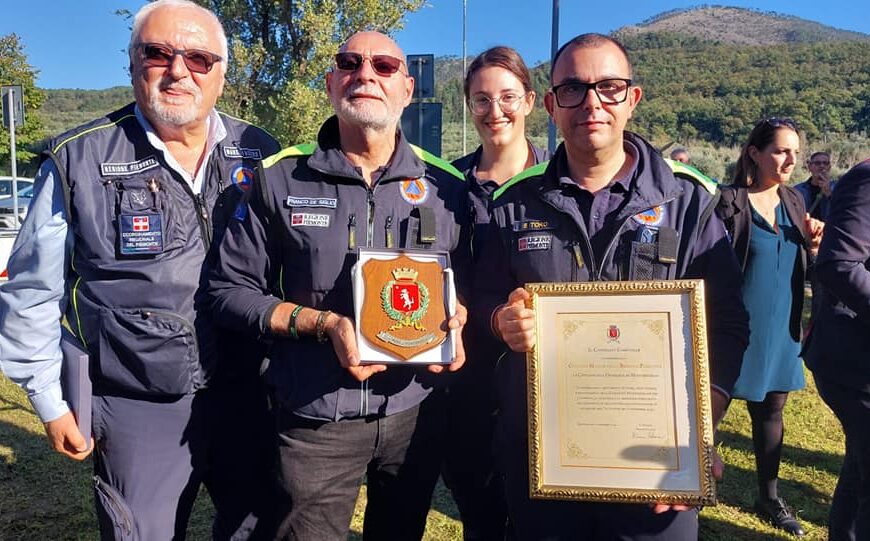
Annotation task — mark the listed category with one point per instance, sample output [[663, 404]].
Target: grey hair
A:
[[150, 7]]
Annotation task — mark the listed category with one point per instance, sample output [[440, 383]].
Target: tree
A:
[[280, 51], [14, 70]]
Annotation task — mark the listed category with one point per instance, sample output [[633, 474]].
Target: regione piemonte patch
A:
[[305, 219]]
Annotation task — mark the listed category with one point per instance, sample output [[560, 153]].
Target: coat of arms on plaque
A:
[[403, 310]]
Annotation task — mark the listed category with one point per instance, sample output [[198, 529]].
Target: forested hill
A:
[[702, 83], [725, 24]]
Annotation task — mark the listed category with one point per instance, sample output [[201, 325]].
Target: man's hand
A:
[[341, 332], [457, 323], [823, 181], [515, 323], [718, 470], [64, 436], [815, 229]]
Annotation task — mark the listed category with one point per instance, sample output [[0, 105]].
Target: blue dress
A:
[[771, 362]]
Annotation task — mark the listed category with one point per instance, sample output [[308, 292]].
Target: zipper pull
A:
[[388, 231], [351, 232], [203, 211], [578, 255]]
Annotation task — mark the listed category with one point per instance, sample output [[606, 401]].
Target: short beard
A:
[[367, 116], [171, 115]]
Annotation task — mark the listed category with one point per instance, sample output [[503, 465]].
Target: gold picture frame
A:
[[619, 393]]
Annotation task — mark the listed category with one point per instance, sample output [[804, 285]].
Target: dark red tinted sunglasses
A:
[[383, 64], [160, 55]]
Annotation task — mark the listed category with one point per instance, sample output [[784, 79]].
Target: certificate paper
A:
[[618, 383], [615, 390]]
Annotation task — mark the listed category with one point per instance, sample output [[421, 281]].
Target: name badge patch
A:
[[141, 234], [128, 168], [652, 217], [534, 242], [304, 219], [235, 153], [313, 202], [532, 225]]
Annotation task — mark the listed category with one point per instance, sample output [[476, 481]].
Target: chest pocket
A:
[[652, 253], [318, 251], [147, 215]]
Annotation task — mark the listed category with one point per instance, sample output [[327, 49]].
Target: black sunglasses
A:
[[160, 55], [383, 64]]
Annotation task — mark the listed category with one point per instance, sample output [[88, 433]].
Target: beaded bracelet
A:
[[321, 326]]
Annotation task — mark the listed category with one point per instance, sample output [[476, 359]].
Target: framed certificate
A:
[[619, 393], [402, 299]]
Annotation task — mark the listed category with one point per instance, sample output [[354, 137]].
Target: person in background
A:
[[681, 154], [311, 206], [117, 239], [837, 346], [499, 96], [774, 238], [817, 189]]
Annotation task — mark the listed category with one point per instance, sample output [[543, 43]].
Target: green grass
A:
[[46, 496]]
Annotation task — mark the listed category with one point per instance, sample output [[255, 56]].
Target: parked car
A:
[[7, 202], [6, 185]]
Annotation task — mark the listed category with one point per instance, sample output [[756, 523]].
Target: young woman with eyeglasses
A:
[[499, 95], [774, 239]]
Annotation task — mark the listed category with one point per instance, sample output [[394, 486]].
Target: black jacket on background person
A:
[[839, 341], [734, 209]]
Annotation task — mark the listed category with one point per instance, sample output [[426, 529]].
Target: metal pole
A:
[[464, 68], [14, 165], [554, 46]]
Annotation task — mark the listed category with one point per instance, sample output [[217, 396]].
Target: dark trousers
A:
[[240, 470], [322, 465], [850, 510], [148, 463], [151, 457], [469, 464]]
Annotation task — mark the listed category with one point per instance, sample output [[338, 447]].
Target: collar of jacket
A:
[[653, 183], [329, 159]]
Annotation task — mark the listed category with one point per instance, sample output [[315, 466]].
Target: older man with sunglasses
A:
[[606, 207], [311, 206], [124, 213]]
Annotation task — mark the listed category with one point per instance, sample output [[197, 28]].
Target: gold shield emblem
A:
[[403, 308]]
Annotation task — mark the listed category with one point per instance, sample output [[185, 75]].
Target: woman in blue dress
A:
[[773, 238]]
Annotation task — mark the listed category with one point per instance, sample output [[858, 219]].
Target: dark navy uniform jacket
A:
[[141, 242], [839, 340], [652, 225], [480, 190], [310, 209]]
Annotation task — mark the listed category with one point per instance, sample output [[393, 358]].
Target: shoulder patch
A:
[[687, 171], [440, 163], [534, 171], [289, 152]]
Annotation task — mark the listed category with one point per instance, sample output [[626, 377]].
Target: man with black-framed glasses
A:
[[606, 207], [124, 213]]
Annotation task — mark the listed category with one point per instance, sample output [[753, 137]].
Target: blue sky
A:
[[80, 43]]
